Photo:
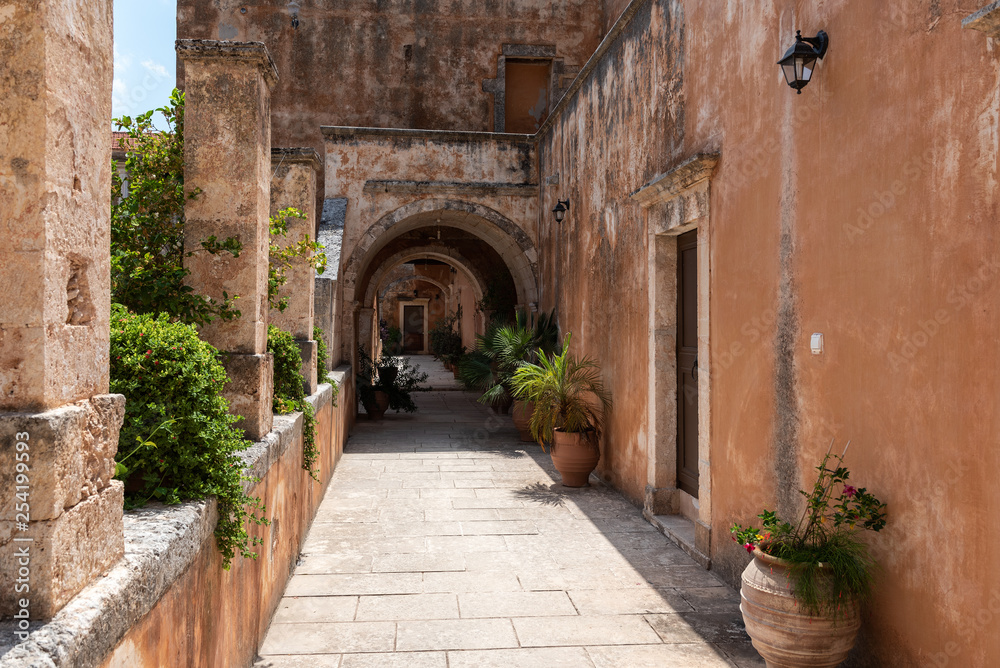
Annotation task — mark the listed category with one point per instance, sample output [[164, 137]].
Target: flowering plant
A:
[[826, 537]]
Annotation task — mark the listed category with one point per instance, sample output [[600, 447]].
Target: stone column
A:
[[227, 156], [60, 511], [293, 184], [325, 317]]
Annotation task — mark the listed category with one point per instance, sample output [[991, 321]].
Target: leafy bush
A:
[[188, 444], [281, 256], [445, 340], [290, 393], [400, 385], [147, 224]]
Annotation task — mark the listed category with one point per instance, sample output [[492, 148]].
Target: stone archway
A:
[[510, 241], [444, 254]]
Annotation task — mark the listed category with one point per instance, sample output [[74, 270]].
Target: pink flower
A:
[[748, 547], [850, 491]]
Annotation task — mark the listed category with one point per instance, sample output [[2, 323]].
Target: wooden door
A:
[[687, 362], [413, 329]]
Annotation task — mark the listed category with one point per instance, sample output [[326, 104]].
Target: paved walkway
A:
[[443, 542]]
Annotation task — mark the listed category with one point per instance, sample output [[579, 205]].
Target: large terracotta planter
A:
[[521, 415], [376, 410], [784, 634], [575, 457]]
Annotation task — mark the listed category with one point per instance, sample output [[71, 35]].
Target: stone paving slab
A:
[[444, 542]]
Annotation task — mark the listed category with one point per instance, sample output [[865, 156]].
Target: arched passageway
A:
[[495, 257]]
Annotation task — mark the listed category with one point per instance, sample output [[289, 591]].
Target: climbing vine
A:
[[281, 256], [290, 393]]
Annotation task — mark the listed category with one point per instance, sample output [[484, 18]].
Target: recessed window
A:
[[526, 99]]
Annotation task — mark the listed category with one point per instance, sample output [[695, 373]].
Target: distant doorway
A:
[[687, 362], [413, 321]]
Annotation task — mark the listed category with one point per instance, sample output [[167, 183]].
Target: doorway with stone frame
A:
[[678, 488]]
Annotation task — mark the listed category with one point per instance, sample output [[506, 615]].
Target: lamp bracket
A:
[[819, 43]]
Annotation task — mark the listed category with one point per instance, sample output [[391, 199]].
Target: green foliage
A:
[[445, 339], [569, 394], [322, 360], [281, 256], [290, 393], [393, 375], [498, 299], [502, 350], [172, 382], [828, 559], [147, 224]]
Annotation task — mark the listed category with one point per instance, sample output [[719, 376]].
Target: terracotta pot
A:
[[521, 415], [575, 457], [454, 370], [786, 635]]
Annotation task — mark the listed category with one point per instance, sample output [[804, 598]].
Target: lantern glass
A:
[[560, 212]]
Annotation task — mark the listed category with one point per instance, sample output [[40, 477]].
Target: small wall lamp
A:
[[293, 9], [800, 60], [560, 211]]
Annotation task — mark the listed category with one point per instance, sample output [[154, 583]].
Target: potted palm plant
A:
[[571, 404], [505, 347], [803, 591]]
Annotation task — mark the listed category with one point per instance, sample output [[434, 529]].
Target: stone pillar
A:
[[293, 184], [325, 317], [60, 512], [227, 156]]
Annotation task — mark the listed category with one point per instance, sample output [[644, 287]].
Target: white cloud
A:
[[155, 68], [122, 61]]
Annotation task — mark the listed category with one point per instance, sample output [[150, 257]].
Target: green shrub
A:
[[445, 340], [290, 393], [147, 224], [188, 444]]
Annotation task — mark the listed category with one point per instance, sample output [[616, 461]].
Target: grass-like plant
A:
[[568, 393], [829, 563]]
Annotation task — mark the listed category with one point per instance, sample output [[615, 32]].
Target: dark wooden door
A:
[[687, 362], [413, 329]]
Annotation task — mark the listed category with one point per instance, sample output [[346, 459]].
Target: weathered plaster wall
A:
[[864, 209], [223, 623], [395, 182], [623, 126], [391, 63]]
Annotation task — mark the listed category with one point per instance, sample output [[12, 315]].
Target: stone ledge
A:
[[331, 132], [451, 188], [300, 155], [255, 53], [986, 20], [161, 543], [667, 186], [681, 531]]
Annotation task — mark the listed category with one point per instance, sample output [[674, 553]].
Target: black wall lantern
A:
[[800, 60], [293, 9], [560, 211]]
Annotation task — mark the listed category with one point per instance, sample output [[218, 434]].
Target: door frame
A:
[[424, 302], [675, 203]]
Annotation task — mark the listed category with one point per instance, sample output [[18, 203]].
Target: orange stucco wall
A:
[[864, 209], [212, 617]]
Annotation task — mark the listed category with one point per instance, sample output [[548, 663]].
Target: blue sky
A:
[[145, 66]]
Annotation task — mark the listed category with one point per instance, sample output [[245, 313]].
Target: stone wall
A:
[[391, 64], [863, 209], [168, 602]]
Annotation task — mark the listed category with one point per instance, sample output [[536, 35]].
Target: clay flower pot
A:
[[376, 409], [521, 415], [575, 456], [786, 635]]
